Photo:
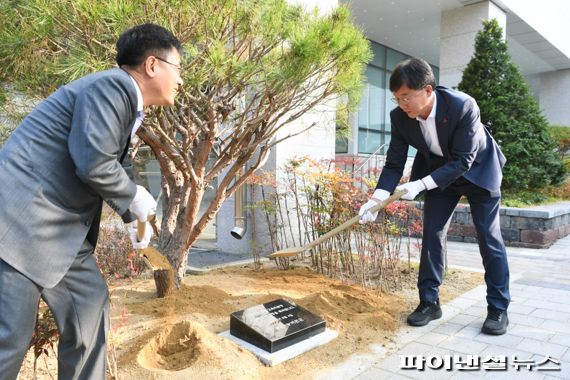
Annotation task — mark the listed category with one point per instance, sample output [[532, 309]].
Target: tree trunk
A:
[[164, 281]]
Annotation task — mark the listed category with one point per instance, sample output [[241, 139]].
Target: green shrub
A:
[[524, 199], [560, 192], [511, 112]]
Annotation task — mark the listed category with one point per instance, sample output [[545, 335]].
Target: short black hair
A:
[[137, 43], [414, 73]]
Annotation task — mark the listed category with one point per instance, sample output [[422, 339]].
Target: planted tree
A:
[[251, 68], [513, 115]]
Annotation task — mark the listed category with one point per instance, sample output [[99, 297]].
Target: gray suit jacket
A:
[[58, 166]]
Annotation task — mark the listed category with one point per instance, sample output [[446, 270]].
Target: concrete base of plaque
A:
[[272, 359], [278, 330]]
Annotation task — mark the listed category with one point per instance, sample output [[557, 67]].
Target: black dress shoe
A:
[[496, 322], [424, 313]]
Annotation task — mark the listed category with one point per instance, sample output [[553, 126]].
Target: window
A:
[[394, 57], [371, 111], [341, 143]]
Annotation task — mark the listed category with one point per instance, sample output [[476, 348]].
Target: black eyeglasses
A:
[[178, 67], [409, 98], [404, 100]]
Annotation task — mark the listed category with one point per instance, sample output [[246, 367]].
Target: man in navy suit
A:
[[456, 157]]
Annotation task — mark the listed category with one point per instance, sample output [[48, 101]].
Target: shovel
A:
[[294, 251], [150, 255]]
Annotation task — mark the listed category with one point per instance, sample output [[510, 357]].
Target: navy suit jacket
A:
[[468, 148]]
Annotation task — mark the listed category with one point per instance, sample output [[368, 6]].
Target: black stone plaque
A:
[[275, 325]]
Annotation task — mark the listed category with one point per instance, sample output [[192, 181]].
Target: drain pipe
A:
[[239, 217]]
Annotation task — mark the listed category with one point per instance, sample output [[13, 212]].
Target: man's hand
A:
[[145, 241], [413, 188], [364, 213], [143, 204]]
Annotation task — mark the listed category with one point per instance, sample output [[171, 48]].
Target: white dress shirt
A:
[[429, 131], [140, 112]]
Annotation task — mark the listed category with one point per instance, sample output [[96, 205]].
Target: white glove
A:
[[134, 238], [143, 204], [378, 197], [414, 188]]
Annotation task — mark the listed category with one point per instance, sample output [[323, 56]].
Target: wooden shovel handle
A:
[[397, 195], [141, 226]]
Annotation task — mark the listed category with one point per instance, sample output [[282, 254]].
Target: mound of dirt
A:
[[205, 299], [186, 344], [342, 306], [176, 337]]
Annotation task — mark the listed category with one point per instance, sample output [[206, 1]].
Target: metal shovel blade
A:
[[154, 259], [150, 255], [287, 252]]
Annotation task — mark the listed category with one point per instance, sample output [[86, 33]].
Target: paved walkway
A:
[[539, 327]]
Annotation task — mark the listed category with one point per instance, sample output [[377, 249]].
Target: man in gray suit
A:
[[67, 157]]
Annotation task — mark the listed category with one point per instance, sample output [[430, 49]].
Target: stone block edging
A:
[[532, 227]]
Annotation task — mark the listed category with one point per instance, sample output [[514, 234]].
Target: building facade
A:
[[442, 32]]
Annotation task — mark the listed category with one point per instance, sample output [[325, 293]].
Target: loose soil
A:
[[176, 337]]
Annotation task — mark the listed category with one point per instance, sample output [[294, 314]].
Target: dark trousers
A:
[[80, 305], [438, 209]]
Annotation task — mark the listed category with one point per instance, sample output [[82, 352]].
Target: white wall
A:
[[459, 28], [317, 143], [554, 96]]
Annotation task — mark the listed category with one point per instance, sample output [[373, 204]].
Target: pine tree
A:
[[511, 112], [251, 68]]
